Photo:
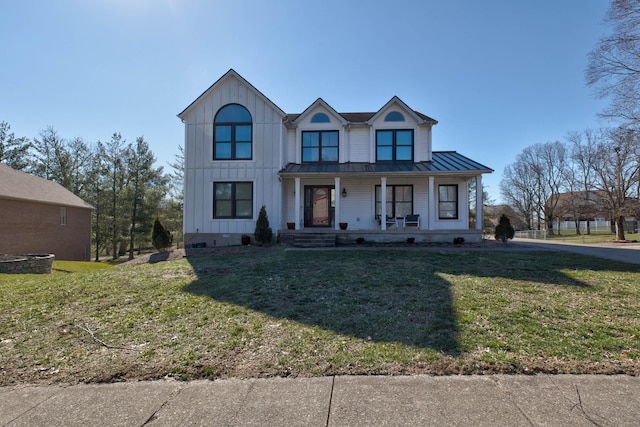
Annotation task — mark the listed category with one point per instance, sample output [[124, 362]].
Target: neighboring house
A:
[[318, 169], [41, 216], [574, 209]]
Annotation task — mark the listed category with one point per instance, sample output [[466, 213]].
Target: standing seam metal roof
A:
[[442, 162]]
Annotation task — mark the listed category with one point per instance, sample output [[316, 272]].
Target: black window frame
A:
[[394, 145], [319, 146], [233, 199], [393, 200], [233, 141], [442, 203]]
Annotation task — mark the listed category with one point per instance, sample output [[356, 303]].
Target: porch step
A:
[[310, 240]]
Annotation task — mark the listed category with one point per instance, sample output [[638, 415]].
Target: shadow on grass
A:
[[383, 296]]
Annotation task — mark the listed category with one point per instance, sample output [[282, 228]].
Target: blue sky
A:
[[498, 75]]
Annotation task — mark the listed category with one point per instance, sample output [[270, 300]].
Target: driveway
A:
[[625, 252]]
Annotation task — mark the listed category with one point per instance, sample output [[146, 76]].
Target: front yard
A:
[[260, 312]]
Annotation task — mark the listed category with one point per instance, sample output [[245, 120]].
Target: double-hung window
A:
[[232, 133], [320, 146], [395, 144], [233, 200], [448, 201], [399, 200]]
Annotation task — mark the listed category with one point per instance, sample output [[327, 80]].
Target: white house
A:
[[318, 169]]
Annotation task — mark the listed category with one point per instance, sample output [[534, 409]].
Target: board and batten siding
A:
[[201, 171]]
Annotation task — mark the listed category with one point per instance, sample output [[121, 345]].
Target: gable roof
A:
[[327, 107], [420, 118], [16, 185], [227, 75]]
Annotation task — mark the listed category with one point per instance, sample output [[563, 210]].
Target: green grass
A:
[[594, 237], [79, 266], [269, 312]]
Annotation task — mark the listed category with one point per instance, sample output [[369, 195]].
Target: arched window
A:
[[320, 118], [232, 133], [394, 116]]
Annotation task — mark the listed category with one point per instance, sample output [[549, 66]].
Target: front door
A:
[[319, 206]]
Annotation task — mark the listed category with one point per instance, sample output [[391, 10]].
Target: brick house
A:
[[41, 216]]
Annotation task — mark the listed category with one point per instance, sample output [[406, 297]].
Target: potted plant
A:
[[245, 239], [291, 225], [343, 225]]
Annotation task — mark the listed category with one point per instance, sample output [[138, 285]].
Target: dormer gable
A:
[[395, 110], [318, 112]]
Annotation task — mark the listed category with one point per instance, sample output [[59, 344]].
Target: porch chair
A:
[[412, 221], [391, 221]]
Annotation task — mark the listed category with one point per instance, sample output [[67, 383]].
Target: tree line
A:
[[592, 170], [117, 177]]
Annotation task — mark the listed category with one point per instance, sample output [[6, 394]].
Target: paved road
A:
[[625, 252], [492, 400]]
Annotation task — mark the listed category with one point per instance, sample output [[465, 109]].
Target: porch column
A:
[[479, 203], [297, 202], [432, 203], [338, 195], [383, 203]]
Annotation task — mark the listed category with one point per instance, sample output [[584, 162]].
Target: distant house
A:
[[41, 216], [320, 171]]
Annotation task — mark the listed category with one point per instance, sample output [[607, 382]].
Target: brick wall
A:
[[27, 227]]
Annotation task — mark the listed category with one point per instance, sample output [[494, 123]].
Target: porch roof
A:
[[443, 162]]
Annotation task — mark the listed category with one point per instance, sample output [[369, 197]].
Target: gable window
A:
[[233, 200], [63, 216], [320, 118], [320, 146], [399, 200], [232, 133], [394, 144], [394, 116], [448, 201]]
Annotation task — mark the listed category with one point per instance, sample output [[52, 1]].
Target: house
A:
[[318, 169], [41, 216]]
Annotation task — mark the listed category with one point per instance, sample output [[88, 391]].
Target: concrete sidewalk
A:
[[495, 400], [625, 252]]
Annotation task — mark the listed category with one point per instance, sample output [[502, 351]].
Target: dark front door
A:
[[319, 206]]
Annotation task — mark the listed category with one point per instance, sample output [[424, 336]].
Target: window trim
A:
[[232, 140], [233, 200], [441, 202], [392, 201], [394, 145], [319, 147]]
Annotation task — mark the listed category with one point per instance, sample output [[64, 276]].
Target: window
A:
[[321, 146], [232, 133], [320, 118], [399, 200], [448, 201], [63, 216], [233, 200], [394, 116], [394, 145]]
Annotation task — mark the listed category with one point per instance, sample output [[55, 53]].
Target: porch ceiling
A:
[[442, 162]]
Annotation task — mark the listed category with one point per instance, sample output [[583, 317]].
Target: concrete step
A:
[[309, 240]]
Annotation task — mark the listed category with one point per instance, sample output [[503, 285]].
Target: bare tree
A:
[[517, 189], [614, 64], [616, 171]]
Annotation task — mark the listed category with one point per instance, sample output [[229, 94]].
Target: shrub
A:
[[263, 233], [411, 239], [160, 236], [360, 240], [458, 240], [504, 230]]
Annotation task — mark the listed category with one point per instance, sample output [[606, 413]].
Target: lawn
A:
[[261, 312]]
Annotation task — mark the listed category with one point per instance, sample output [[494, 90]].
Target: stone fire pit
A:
[[26, 264]]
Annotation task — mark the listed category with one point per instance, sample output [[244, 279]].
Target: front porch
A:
[[324, 237]]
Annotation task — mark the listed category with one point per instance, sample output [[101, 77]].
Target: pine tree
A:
[[263, 232], [160, 236], [504, 230]]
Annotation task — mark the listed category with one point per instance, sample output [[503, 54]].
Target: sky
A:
[[498, 75]]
